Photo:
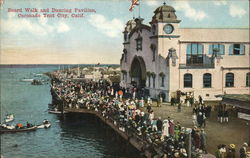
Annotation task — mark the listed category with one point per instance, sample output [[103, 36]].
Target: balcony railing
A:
[[197, 66]]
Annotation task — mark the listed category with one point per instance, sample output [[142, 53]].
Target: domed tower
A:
[[165, 22], [165, 35]]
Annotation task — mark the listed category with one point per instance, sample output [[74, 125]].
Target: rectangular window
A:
[[229, 80], [194, 53], [237, 49]]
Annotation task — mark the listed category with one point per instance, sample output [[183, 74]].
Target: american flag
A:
[[133, 3]]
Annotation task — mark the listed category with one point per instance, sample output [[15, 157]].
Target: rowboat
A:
[[18, 130]]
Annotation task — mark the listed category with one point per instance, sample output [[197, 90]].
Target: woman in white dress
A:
[[165, 131]]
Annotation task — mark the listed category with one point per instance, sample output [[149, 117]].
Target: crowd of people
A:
[[167, 135], [229, 152]]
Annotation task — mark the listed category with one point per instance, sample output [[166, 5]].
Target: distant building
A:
[[164, 58]]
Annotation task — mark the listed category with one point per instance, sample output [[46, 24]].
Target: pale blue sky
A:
[[98, 36]]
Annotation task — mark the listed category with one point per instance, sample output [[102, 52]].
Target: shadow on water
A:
[[92, 129]]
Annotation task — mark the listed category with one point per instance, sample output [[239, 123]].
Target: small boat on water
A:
[[9, 118], [27, 80], [36, 82], [55, 111], [24, 129], [45, 124]]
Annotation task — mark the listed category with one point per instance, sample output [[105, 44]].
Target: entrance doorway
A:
[[138, 72]]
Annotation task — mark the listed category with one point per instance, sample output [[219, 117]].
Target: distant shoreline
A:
[[50, 65]]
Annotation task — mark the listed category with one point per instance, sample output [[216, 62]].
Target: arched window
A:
[[237, 49], [207, 80], [153, 48], [248, 79], [219, 47], [188, 81], [194, 53], [229, 80], [162, 79]]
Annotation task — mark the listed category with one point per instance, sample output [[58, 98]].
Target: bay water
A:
[[70, 138]]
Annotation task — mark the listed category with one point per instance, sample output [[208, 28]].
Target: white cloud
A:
[[62, 27], [191, 13], [220, 2], [236, 11], [152, 3], [111, 28], [39, 27]]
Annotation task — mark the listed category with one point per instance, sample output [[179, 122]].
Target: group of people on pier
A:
[[127, 114]]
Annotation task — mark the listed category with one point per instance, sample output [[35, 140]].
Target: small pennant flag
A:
[[133, 3]]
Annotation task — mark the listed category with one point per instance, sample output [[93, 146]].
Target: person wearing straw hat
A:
[[231, 151]]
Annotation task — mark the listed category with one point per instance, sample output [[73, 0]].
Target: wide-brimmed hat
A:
[[232, 146], [176, 154], [245, 144]]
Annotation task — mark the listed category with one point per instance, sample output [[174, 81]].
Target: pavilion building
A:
[[164, 58]]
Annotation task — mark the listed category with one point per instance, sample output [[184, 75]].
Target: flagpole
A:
[[139, 8]]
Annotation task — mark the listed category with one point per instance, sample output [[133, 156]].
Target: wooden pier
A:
[[133, 139]]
